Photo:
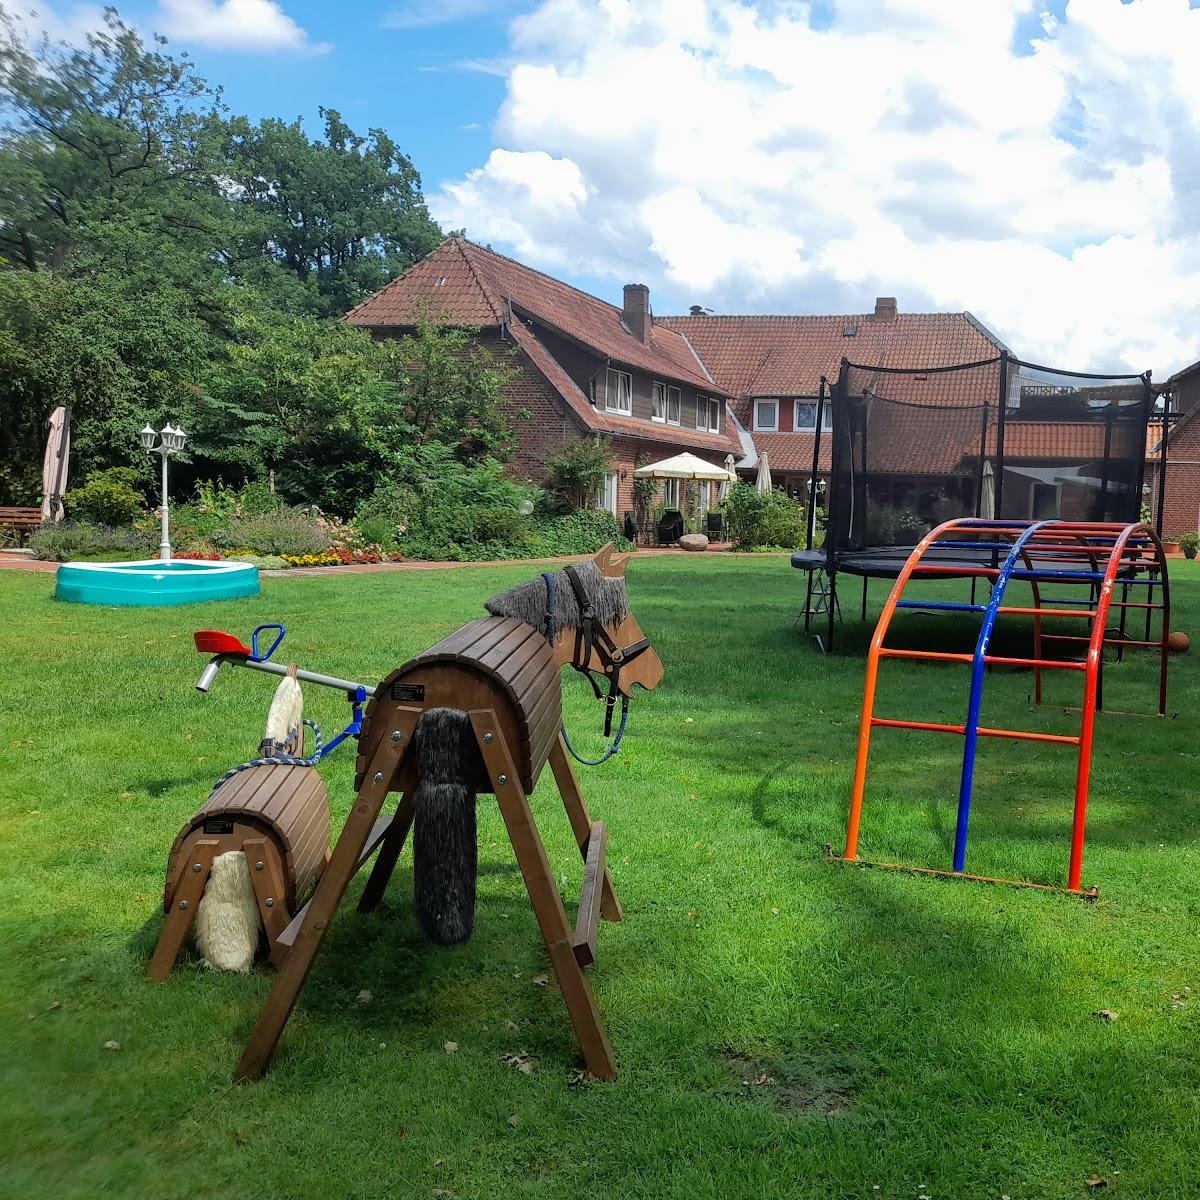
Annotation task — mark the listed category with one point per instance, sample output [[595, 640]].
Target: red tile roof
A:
[[787, 355], [463, 283], [1050, 439], [793, 451], [594, 418]]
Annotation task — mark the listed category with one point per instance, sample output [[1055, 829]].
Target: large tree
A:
[[106, 157], [343, 215]]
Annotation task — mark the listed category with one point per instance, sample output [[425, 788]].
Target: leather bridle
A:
[[591, 635]]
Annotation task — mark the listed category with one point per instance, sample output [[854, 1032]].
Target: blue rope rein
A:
[[289, 760], [551, 633]]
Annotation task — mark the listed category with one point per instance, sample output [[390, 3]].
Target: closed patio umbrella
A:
[[987, 496], [762, 481], [724, 488], [54, 465]]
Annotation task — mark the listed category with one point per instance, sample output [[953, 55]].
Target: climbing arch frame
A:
[[1102, 556]]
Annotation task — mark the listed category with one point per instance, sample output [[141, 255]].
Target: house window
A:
[[766, 415], [671, 493], [606, 497], [618, 392], [805, 418], [664, 404], [708, 413]]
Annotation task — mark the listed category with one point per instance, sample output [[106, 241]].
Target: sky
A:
[[1036, 163]]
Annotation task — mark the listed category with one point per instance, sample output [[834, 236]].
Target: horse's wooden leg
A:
[[269, 891], [581, 823], [377, 780], [184, 903], [543, 895], [389, 855]]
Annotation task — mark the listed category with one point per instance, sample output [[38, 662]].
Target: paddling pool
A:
[[152, 582]]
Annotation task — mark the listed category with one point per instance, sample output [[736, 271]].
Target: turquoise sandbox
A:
[[153, 582]]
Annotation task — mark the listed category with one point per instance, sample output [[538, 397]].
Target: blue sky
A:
[[404, 80], [1035, 162]]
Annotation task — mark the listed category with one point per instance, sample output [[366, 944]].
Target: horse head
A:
[[584, 612]]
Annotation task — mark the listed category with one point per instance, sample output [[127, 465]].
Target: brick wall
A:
[[548, 427], [1182, 510]]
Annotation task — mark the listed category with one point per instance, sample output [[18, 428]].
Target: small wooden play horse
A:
[[481, 710]]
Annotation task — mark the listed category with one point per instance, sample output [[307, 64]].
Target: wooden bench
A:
[[23, 520]]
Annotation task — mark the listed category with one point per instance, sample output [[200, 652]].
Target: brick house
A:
[[721, 385], [580, 366]]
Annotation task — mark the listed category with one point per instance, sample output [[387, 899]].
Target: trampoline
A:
[[995, 439]]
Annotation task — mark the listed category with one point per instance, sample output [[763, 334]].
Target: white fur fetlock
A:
[[228, 924]]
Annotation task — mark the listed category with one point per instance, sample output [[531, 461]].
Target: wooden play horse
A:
[[481, 712]]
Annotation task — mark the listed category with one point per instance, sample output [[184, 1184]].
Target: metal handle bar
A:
[[239, 660]]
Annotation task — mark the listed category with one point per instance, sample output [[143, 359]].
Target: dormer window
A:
[[618, 392], [708, 413], [440, 281], [805, 417], [766, 416], [664, 404]]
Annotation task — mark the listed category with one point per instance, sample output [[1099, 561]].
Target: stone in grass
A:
[[693, 542]]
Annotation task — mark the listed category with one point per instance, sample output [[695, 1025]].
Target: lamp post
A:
[[171, 443]]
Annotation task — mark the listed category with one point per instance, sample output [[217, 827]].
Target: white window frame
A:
[[674, 399], [658, 403], [618, 392], [774, 426], [826, 416], [609, 481], [671, 493], [708, 413]]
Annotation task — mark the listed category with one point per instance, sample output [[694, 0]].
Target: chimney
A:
[[885, 308], [636, 311]]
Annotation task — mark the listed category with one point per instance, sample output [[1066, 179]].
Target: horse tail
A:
[[445, 850]]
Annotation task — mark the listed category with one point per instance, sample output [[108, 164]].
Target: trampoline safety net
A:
[[999, 438]]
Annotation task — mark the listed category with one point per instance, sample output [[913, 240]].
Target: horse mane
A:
[[527, 601]]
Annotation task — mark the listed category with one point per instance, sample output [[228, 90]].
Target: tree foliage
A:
[[344, 215], [162, 258]]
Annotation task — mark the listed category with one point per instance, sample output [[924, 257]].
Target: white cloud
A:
[[72, 25], [253, 25], [420, 14], [735, 156]]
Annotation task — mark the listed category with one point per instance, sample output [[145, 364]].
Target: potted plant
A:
[[1189, 543]]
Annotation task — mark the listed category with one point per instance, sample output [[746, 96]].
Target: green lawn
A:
[[784, 1026]]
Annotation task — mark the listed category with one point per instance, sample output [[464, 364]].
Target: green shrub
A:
[[581, 532], [83, 539], [754, 518], [220, 499], [264, 562], [577, 472], [435, 507], [886, 525], [107, 498], [1189, 541], [284, 531]]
